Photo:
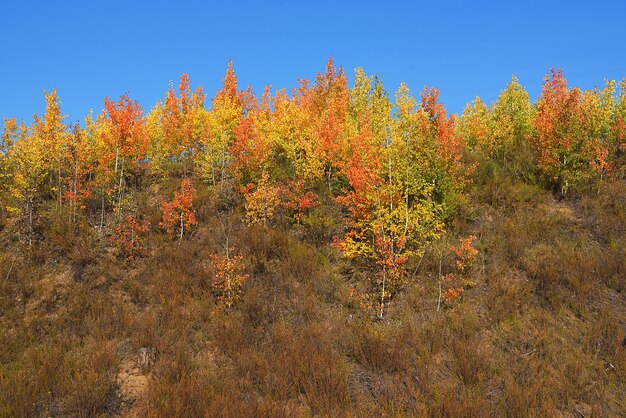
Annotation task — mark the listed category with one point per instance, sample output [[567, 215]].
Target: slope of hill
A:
[[323, 254]]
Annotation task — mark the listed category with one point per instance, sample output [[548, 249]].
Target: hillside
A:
[[329, 252]]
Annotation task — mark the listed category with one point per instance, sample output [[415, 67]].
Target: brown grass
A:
[[541, 333]]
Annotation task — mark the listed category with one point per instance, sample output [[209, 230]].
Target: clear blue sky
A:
[[89, 50]]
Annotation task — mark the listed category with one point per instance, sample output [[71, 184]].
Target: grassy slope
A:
[[542, 332]]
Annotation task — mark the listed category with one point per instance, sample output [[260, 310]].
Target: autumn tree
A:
[[11, 133], [228, 279], [261, 200], [254, 141], [513, 116], [451, 174], [280, 153], [451, 285], [597, 126], [392, 213], [293, 150], [477, 126], [80, 158], [124, 143], [178, 214], [327, 103], [50, 132], [129, 237], [619, 152], [370, 235], [561, 147], [228, 109], [176, 127], [26, 171], [298, 199], [450, 143], [500, 133], [465, 253]]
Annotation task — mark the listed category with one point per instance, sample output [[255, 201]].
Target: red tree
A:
[[178, 213]]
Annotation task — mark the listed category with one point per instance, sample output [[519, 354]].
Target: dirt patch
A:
[[132, 387]]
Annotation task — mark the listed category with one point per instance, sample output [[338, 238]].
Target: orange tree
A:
[[228, 279], [178, 214], [562, 150], [176, 127]]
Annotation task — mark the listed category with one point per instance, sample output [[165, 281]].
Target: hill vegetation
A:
[[331, 251]]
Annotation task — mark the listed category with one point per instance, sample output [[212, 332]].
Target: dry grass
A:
[[542, 332]]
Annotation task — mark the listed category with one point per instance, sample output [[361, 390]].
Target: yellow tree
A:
[[228, 109], [513, 116], [25, 160], [261, 200], [103, 179], [477, 126], [392, 213], [597, 128], [80, 158], [228, 279], [51, 134], [10, 134], [620, 126], [293, 150]]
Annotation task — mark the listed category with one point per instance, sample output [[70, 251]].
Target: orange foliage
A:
[[298, 199], [128, 238], [362, 169], [466, 253], [451, 293], [80, 165], [178, 213], [450, 143], [228, 279], [179, 120], [127, 128], [558, 132]]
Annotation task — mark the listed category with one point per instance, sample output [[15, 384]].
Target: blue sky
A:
[[89, 50]]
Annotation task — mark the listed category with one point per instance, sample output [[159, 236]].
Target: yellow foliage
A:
[[262, 202]]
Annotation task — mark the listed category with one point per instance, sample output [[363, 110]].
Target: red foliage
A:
[[298, 199], [450, 143], [178, 213], [452, 293], [558, 111], [128, 238], [250, 147], [361, 168], [466, 253], [128, 128]]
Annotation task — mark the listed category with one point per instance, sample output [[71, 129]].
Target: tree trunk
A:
[[182, 230], [440, 279], [382, 295], [102, 213], [120, 192], [30, 222]]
